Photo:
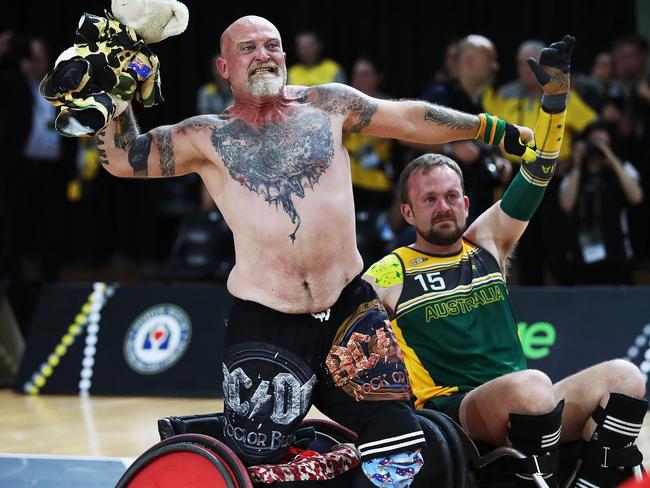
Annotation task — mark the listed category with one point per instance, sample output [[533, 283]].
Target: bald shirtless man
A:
[[303, 321]]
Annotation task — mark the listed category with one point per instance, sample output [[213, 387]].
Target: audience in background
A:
[[594, 88], [371, 162], [630, 111], [15, 123], [596, 193], [447, 70], [39, 168], [214, 96], [311, 69], [372, 170]]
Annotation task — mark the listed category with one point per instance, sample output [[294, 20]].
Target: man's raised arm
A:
[[418, 121], [170, 150], [501, 226]]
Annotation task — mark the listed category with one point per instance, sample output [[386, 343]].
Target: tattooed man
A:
[[304, 326]]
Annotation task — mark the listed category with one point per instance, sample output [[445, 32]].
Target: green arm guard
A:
[[527, 189]]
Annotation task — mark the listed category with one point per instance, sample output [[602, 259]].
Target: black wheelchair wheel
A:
[[449, 428], [438, 469]]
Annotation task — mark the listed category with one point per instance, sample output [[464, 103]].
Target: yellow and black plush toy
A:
[[110, 63]]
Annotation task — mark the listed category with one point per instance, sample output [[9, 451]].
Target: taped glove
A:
[[515, 140], [552, 70]]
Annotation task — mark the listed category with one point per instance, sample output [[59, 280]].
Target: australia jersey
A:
[[453, 319]]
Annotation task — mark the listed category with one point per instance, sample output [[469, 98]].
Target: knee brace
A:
[[611, 447], [395, 470], [537, 436]]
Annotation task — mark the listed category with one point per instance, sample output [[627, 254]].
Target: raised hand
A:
[[552, 70]]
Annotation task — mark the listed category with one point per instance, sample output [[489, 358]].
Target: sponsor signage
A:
[[157, 339], [564, 330], [108, 339], [166, 340]]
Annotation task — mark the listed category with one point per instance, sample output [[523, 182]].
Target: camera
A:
[[592, 150]]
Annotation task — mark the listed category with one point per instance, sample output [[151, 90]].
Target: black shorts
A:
[[449, 405], [344, 360]]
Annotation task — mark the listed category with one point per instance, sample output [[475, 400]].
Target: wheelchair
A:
[[192, 454]]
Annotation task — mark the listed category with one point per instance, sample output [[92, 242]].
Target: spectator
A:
[[370, 157], [630, 111], [372, 171], [47, 166], [484, 170], [593, 88], [311, 69], [596, 193], [214, 96], [448, 70], [630, 60], [15, 123], [41, 165]]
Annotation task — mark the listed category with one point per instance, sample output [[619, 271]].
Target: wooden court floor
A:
[[109, 426]]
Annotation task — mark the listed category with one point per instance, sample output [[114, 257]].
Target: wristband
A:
[[491, 129]]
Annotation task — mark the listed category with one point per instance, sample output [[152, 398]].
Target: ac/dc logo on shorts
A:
[[365, 359], [267, 391]]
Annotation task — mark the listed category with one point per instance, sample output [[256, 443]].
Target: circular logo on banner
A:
[[157, 339]]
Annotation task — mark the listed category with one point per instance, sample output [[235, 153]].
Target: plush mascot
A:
[[110, 63]]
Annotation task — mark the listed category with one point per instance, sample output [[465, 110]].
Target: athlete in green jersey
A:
[[451, 314], [445, 320]]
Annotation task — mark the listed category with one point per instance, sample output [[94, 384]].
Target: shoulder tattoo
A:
[[340, 100]]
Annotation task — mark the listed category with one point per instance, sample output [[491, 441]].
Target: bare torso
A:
[[284, 187]]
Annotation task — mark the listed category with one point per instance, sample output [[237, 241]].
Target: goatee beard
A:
[[268, 86], [438, 238]]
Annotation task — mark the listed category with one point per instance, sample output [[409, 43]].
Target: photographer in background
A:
[[596, 192]]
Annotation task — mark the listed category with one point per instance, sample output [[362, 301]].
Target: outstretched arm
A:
[[164, 151], [416, 121]]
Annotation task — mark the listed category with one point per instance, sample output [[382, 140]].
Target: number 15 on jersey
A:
[[433, 282]]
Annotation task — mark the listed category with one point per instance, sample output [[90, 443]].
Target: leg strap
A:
[[538, 436], [611, 447]]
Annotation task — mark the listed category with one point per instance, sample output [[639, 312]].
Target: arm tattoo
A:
[[103, 158], [342, 101], [139, 154], [449, 118], [125, 131], [127, 137], [196, 124], [166, 150]]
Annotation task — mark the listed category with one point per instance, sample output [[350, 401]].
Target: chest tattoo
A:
[[279, 160]]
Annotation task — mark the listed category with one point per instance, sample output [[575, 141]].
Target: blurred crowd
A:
[[60, 213]]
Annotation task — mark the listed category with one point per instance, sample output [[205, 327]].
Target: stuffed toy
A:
[[110, 63]]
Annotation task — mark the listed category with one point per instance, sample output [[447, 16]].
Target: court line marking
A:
[[124, 460]]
